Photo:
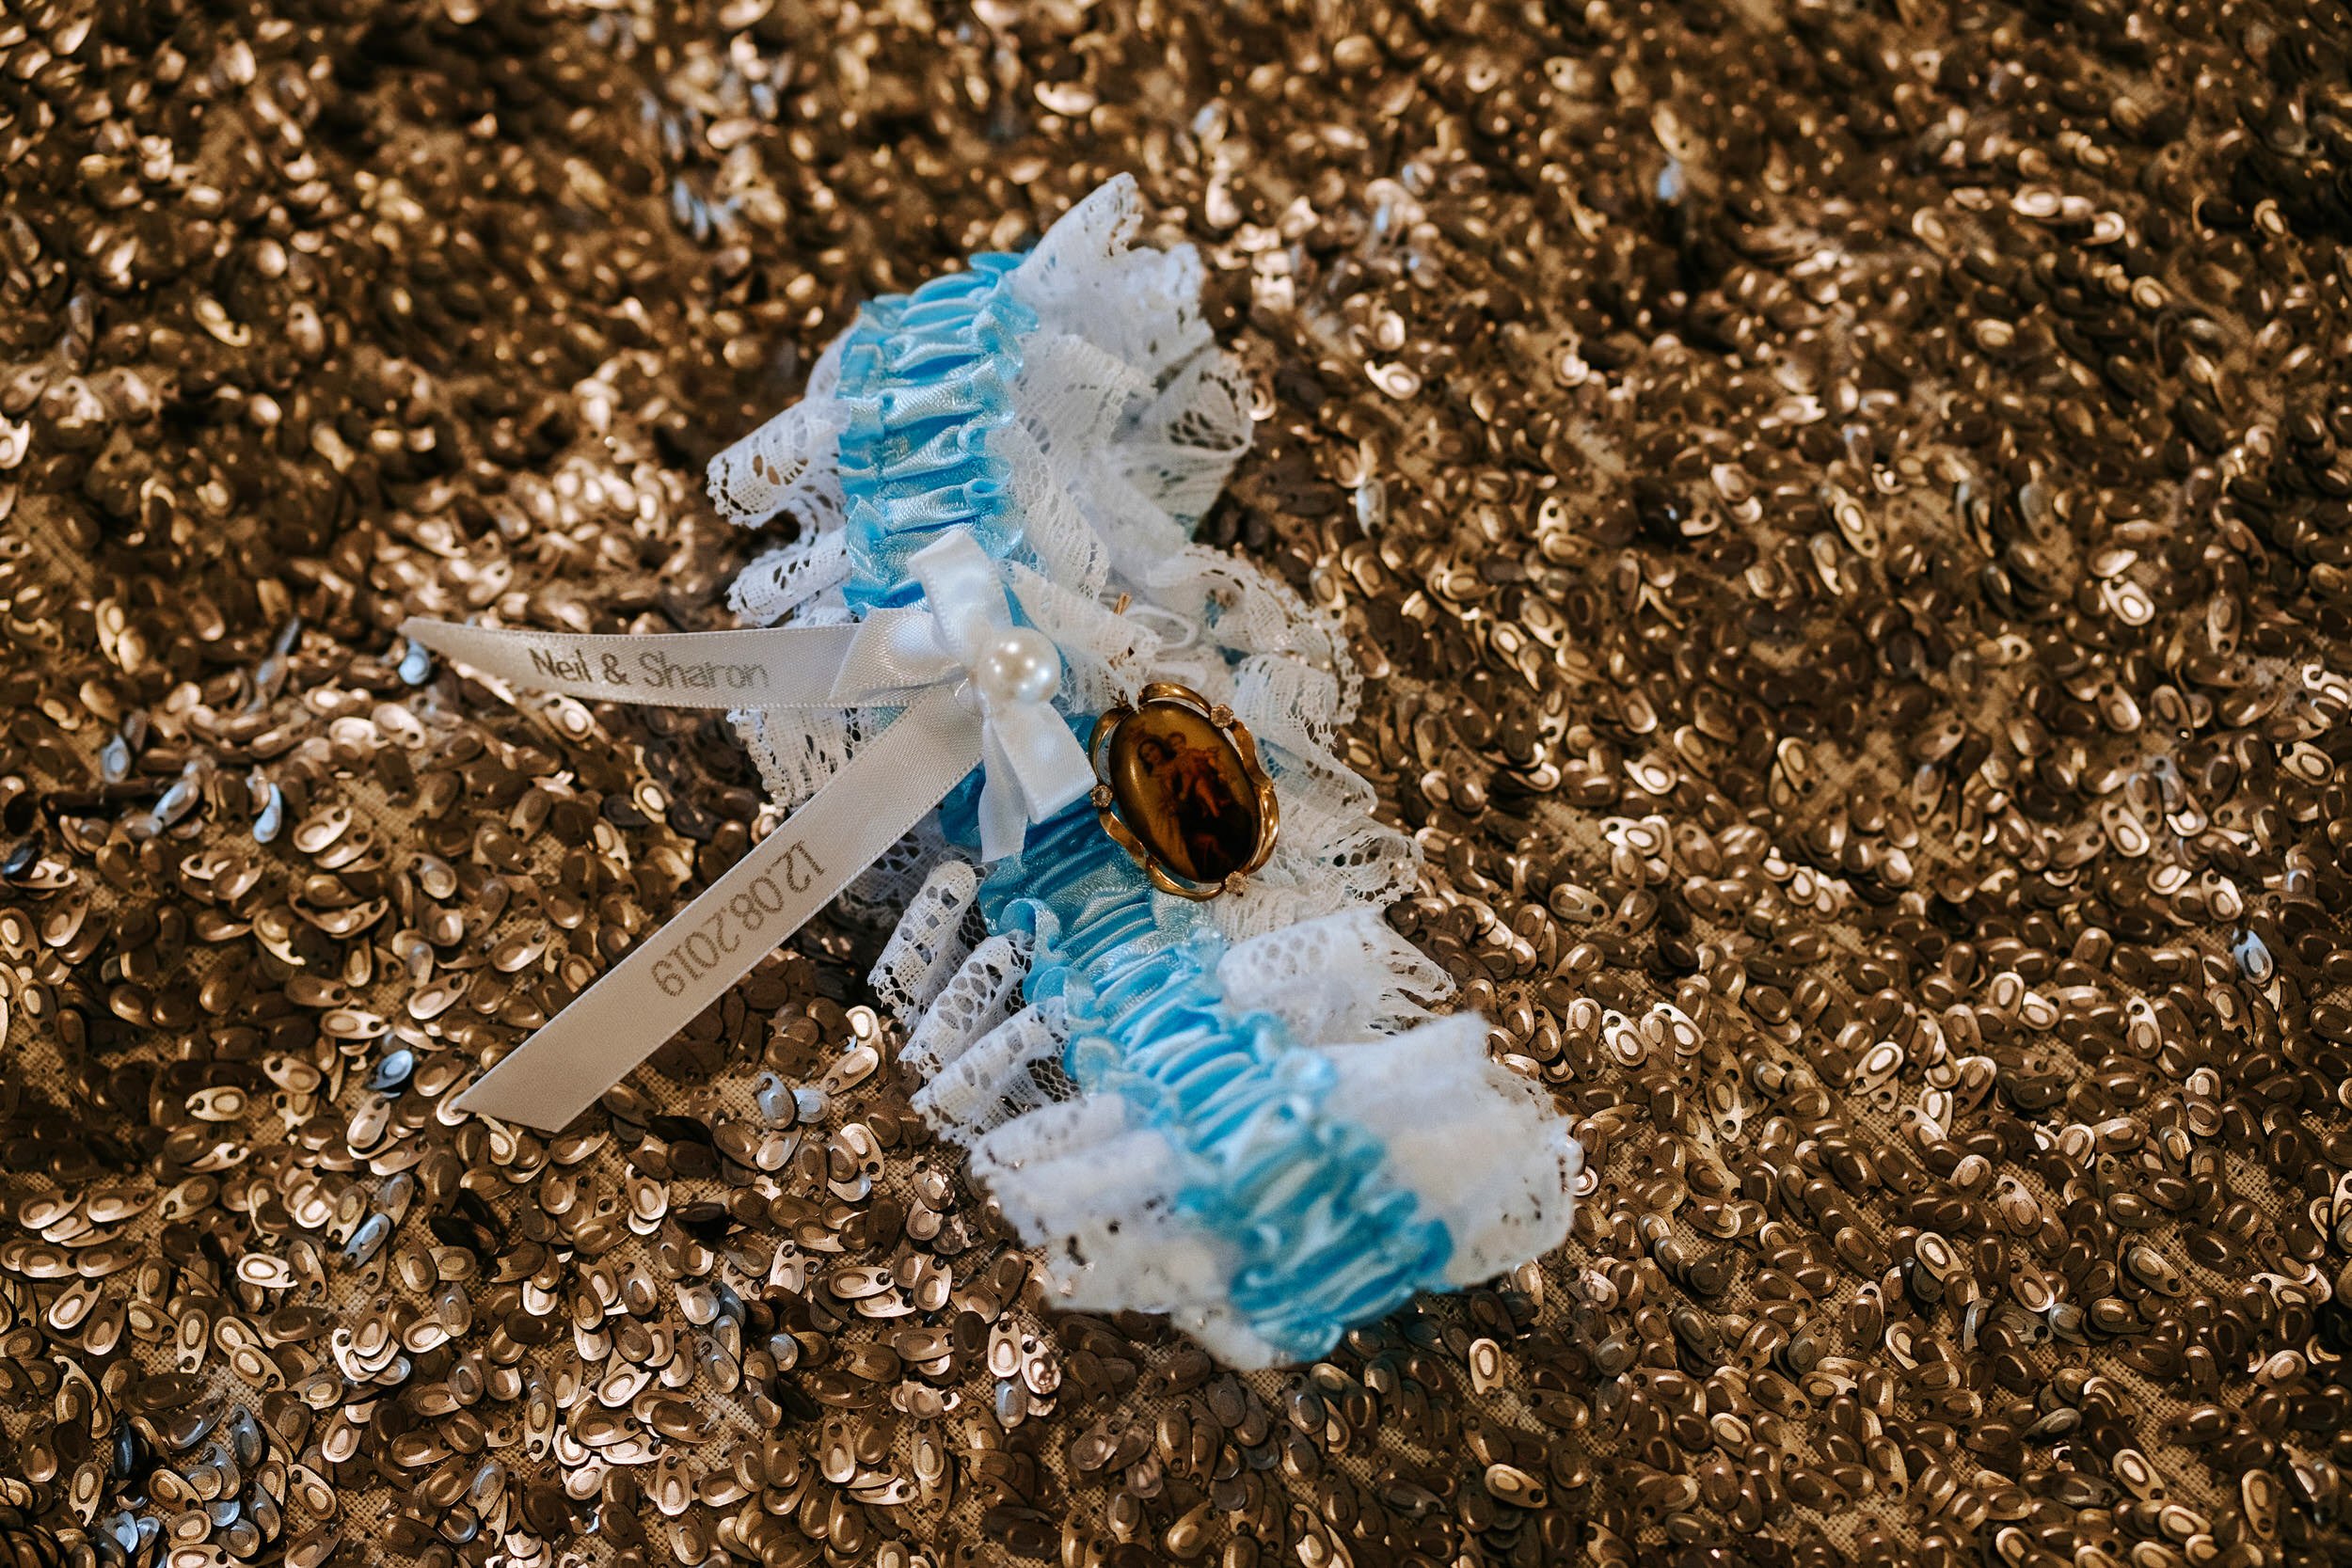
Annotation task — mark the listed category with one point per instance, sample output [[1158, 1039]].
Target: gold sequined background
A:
[[1845, 509]]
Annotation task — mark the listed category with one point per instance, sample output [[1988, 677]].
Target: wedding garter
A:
[[1239, 1111]]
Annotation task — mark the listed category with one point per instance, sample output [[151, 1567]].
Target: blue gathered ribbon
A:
[[1320, 1234]]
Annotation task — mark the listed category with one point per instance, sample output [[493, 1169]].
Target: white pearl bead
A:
[[1021, 666]]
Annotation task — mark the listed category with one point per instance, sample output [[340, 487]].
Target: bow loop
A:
[[965, 591], [892, 655]]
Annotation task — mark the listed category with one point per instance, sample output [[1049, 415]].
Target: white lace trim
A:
[[930, 944], [1096, 1197], [786, 463], [883, 891], [1198, 426], [1011, 1069], [1484, 1147], [781, 581], [1337, 977], [982, 993]]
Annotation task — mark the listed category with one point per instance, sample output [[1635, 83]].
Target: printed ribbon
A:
[[974, 689]]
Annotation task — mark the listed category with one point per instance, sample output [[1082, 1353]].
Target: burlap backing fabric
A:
[[1842, 507]]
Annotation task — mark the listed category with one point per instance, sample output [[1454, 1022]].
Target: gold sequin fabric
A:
[[1843, 511]]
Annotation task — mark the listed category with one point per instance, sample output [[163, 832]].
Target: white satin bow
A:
[[976, 688], [1034, 767]]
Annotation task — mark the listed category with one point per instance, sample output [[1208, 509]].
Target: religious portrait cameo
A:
[[1182, 791]]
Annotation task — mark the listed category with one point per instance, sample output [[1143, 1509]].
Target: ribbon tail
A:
[[746, 914], [962, 586], [1005, 814], [1043, 755]]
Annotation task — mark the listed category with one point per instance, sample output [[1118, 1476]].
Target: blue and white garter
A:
[[1240, 1112]]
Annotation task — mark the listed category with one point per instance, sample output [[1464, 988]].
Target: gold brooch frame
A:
[[1245, 746]]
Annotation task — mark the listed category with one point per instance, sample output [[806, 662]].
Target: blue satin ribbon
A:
[[1321, 1235], [926, 377]]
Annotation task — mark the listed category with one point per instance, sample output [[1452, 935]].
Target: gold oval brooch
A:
[[1182, 791]]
